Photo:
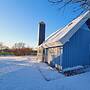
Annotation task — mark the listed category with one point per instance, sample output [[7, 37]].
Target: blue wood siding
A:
[[77, 50]]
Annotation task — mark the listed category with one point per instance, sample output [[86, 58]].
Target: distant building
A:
[[70, 46]]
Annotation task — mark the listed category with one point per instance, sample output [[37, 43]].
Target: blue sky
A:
[[19, 19]]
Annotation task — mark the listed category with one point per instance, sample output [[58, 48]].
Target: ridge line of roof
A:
[[63, 27], [66, 26], [74, 22]]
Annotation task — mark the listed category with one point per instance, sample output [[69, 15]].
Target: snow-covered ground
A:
[[26, 73]]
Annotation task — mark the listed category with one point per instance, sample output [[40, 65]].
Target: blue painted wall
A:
[[77, 50]]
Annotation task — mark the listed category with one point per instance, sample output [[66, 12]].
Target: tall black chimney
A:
[[41, 33]]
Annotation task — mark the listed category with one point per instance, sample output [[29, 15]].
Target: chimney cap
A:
[[41, 22]]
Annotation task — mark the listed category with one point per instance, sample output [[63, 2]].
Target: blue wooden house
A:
[[69, 46]]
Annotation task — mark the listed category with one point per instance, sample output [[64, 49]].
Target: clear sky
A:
[[19, 19]]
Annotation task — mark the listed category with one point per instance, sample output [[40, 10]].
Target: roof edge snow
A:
[[62, 36]]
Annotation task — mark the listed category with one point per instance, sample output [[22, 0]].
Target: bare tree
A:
[[2, 46], [83, 3], [19, 45]]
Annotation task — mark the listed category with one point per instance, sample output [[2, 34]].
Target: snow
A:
[[26, 73], [73, 68]]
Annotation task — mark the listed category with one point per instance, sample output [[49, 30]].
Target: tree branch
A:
[[83, 3]]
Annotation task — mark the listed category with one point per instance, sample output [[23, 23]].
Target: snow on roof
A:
[[62, 36]]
